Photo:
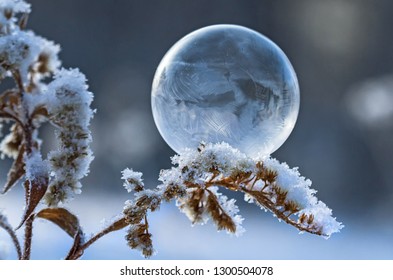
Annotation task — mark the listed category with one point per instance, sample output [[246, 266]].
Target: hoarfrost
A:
[[35, 166], [132, 179], [221, 161]]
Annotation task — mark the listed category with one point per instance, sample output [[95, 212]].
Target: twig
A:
[[14, 238], [28, 237], [116, 225], [268, 204]]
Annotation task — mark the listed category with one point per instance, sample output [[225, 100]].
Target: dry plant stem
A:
[[14, 238], [28, 126], [116, 225], [268, 204], [28, 129], [28, 237]]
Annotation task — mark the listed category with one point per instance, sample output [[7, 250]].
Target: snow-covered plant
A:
[[43, 92], [63, 102], [194, 183]]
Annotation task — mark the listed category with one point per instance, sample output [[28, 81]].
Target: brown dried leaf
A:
[[194, 203], [16, 172], [40, 111], [291, 206], [310, 219], [281, 195], [266, 174], [35, 191], [269, 176], [221, 219], [302, 218], [63, 218]]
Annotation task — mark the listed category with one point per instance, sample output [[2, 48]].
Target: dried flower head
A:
[[132, 180], [68, 106]]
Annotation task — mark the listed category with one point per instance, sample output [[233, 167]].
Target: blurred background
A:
[[342, 53]]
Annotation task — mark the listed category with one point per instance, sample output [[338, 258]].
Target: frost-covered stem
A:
[[116, 225], [264, 200], [28, 237], [14, 238], [97, 236], [28, 127], [28, 131], [28, 144], [268, 204]]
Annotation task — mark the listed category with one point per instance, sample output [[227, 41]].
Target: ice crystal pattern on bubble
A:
[[225, 83]]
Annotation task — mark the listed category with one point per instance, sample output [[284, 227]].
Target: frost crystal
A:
[[35, 166], [132, 180]]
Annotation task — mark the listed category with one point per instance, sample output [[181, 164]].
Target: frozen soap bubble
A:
[[225, 83]]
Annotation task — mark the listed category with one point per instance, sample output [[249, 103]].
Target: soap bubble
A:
[[225, 83]]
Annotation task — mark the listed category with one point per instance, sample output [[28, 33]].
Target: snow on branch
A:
[[270, 184], [194, 182]]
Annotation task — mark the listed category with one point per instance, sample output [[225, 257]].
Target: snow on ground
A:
[[175, 238]]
